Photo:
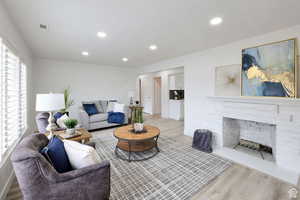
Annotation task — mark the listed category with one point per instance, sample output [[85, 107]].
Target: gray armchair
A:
[[39, 180]]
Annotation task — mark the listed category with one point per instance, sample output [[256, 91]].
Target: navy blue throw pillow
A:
[[91, 109], [56, 154], [57, 115], [116, 117]]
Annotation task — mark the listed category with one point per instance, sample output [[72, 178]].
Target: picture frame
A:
[[270, 70]]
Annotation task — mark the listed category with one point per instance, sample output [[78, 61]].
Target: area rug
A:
[[176, 173]]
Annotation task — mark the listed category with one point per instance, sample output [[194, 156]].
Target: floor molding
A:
[[7, 186]]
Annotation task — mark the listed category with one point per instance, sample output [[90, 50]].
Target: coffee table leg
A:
[[156, 146], [129, 153]]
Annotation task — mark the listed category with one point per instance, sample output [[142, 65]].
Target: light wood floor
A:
[[236, 183], [240, 182]]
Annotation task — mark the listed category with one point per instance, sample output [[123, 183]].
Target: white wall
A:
[[13, 39], [87, 81], [199, 75], [148, 90]]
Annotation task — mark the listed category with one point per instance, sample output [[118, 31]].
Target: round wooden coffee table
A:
[[132, 142]]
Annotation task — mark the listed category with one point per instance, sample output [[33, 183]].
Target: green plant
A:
[[71, 123], [138, 115], [68, 101]]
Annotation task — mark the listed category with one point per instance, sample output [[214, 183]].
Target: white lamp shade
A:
[[49, 102]]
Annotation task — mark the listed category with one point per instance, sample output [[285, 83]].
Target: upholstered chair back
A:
[[39, 180], [29, 165]]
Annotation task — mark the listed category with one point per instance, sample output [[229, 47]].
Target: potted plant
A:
[[68, 101], [138, 121], [71, 124]]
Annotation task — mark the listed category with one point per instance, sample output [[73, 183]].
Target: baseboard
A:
[[7, 186]]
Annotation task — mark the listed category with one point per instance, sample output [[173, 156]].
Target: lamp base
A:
[[131, 101], [51, 125]]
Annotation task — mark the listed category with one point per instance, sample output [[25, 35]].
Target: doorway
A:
[[157, 96]]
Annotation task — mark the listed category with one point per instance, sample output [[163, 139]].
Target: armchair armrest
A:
[[93, 181], [84, 118], [101, 171]]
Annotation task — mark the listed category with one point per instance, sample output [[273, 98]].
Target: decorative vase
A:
[[138, 127], [70, 131]]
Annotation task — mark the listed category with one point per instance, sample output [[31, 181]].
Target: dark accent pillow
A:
[[55, 152], [57, 115], [91, 109], [116, 117]]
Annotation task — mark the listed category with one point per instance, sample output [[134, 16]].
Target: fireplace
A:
[[251, 137], [272, 122]]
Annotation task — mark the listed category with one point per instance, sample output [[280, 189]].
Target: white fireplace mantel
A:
[[259, 100]]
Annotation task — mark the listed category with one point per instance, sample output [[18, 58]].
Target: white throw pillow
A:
[[80, 155], [61, 121], [110, 107], [119, 107]]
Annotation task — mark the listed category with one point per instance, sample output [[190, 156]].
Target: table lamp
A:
[[131, 95], [49, 103]]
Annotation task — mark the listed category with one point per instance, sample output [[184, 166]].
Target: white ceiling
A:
[[178, 27]]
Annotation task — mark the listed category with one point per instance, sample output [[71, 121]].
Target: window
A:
[[13, 98]]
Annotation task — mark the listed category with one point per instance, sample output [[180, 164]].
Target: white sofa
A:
[[99, 120]]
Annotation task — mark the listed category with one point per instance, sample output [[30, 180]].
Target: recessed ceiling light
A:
[[152, 47], [85, 53], [216, 21], [101, 34], [43, 26], [125, 59]]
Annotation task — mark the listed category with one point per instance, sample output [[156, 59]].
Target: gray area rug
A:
[[176, 173]]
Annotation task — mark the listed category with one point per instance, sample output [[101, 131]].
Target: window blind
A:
[[13, 98]]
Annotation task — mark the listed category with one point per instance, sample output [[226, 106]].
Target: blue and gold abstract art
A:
[[269, 70]]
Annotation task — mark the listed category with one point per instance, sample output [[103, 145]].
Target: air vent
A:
[[43, 26]]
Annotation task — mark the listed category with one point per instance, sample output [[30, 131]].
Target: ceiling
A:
[[177, 27]]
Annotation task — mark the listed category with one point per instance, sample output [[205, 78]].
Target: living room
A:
[[235, 100]]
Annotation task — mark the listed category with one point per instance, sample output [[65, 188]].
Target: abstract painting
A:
[[228, 80], [269, 70]]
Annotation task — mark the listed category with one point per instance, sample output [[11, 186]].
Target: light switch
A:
[[291, 118]]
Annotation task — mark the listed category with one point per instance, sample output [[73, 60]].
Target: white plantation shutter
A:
[[23, 97], [13, 98]]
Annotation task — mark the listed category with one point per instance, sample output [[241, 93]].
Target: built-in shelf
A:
[[260, 100]]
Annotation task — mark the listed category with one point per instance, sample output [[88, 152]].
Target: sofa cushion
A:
[[118, 107], [111, 105], [55, 151], [98, 117], [90, 109], [104, 104], [81, 155], [97, 104]]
